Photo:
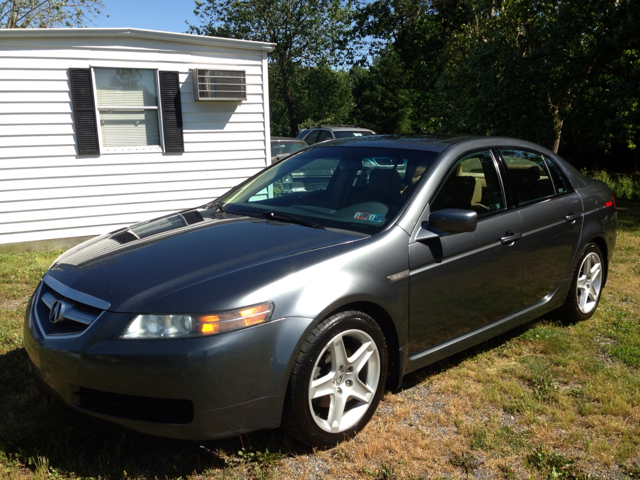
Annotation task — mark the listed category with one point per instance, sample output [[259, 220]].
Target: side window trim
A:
[[550, 161], [504, 179], [496, 166]]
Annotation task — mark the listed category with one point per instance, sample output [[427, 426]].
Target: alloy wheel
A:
[[589, 283], [344, 381]]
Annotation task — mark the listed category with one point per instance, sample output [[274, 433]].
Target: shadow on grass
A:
[[34, 427], [423, 374]]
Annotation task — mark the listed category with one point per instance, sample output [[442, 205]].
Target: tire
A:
[[586, 285], [337, 380]]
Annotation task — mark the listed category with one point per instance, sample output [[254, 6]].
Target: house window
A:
[[127, 106], [126, 110]]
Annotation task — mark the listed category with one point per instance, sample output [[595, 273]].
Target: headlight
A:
[[195, 325]]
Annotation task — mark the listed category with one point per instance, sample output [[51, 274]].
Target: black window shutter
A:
[[171, 112], [84, 111]]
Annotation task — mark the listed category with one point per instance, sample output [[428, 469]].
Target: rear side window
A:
[[324, 135], [528, 175], [312, 137], [559, 180]]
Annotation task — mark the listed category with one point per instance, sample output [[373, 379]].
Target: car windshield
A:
[[280, 148], [352, 133], [346, 188]]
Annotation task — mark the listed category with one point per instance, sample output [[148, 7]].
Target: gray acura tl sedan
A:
[[296, 307]]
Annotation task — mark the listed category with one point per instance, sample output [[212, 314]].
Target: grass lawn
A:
[[549, 400]]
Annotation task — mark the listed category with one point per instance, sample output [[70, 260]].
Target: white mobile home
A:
[[100, 128]]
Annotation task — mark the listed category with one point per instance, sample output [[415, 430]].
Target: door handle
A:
[[510, 238], [572, 217]]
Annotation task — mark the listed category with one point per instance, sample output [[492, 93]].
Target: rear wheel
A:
[[586, 285], [337, 380]]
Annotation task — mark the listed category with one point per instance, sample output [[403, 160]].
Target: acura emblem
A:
[[57, 311]]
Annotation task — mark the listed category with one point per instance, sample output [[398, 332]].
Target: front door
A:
[[461, 282]]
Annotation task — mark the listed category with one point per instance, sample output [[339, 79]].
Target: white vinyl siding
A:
[[48, 191]]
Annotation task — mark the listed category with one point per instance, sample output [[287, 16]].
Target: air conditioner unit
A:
[[227, 85]]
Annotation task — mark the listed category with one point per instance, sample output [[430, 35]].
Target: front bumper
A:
[[196, 388]]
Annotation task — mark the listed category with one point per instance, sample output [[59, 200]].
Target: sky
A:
[[165, 15]]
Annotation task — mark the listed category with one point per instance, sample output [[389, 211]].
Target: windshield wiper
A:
[[284, 217], [217, 206]]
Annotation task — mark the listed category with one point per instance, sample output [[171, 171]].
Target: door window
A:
[[528, 174], [472, 184], [324, 135], [312, 137]]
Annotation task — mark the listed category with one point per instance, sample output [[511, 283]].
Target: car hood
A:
[[131, 267]]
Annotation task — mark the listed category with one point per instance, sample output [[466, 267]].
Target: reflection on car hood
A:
[[131, 267]]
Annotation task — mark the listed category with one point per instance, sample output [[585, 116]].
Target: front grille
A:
[[71, 315], [146, 409]]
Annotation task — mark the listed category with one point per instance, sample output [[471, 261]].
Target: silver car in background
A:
[[323, 133]]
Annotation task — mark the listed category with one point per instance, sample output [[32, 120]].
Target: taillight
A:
[[612, 202]]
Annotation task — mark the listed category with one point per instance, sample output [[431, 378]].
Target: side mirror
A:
[[448, 221]]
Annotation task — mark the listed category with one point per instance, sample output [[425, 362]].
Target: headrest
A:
[[384, 182], [524, 178]]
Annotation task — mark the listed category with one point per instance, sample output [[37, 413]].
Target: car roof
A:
[[339, 128], [433, 142], [287, 139]]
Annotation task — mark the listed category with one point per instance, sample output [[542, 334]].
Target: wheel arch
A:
[[386, 324], [602, 244]]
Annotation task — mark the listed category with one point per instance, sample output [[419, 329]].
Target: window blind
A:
[[124, 128]]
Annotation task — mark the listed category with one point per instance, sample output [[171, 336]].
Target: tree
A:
[[525, 67], [48, 13], [410, 38], [321, 94], [306, 33], [561, 73], [383, 100]]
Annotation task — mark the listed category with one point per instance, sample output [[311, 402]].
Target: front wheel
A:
[[586, 285], [337, 380]]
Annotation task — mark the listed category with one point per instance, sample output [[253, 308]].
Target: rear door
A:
[[552, 216]]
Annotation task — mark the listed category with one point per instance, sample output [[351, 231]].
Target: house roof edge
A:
[[135, 33]]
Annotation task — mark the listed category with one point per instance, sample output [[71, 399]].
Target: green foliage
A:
[[625, 331], [385, 472], [624, 187], [261, 463], [563, 74], [383, 99], [322, 95], [554, 465], [48, 13]]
